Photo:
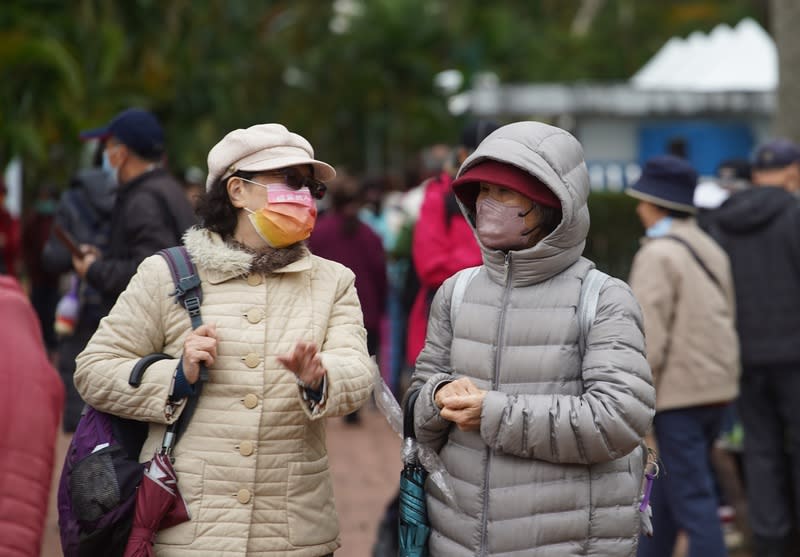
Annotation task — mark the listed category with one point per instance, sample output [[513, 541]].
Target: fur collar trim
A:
[[221, 260]]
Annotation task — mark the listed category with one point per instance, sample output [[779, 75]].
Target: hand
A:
[[305, 363], [199, 346], [461, 404], [82, 264], [461, 386]]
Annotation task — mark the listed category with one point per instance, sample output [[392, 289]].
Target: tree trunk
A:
[[785, 22]]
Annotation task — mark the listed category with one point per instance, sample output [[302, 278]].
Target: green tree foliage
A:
[[356, 77]]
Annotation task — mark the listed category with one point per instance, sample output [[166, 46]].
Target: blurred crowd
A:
[[717, 277]]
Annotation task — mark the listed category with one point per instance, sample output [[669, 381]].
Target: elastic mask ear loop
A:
[[524, 214]]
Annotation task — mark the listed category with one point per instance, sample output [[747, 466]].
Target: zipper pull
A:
[[507, 268]]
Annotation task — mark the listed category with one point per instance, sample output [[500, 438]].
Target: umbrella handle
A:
[[169, 442]]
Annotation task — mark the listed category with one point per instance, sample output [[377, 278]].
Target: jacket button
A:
[[250, 401], [254, 315], [251, 360], [246, 448], [254, 279], [243, 496]]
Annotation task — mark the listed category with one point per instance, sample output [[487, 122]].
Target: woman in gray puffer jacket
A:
[[543, 442]]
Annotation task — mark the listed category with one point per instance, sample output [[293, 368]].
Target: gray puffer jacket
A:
[[557, 465]]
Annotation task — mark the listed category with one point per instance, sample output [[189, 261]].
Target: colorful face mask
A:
[[502, 226], [287, 218]]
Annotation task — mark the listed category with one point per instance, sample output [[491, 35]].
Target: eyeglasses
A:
[[296, 180]]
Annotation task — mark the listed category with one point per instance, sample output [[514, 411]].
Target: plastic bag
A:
[[411, 451]]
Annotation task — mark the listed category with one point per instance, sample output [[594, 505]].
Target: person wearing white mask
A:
[[285, 347], [150, 212]]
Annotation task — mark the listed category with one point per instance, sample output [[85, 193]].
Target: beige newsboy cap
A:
[[262, 147]]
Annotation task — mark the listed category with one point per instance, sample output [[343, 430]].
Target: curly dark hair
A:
[[214, 208]]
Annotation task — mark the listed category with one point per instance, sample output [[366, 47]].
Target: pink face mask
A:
[[287, 218], [502, 226]]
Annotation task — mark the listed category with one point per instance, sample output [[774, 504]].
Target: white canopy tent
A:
[[742, 59]]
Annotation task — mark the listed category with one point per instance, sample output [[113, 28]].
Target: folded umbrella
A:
[[413, 514], [159, 505], [413, 511]]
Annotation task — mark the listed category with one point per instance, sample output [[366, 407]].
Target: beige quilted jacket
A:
[[252, 464]]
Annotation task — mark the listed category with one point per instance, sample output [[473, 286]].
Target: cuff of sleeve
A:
[[314, 398], [181, 387], [494, 404]]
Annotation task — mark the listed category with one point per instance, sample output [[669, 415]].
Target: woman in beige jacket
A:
[[284, 343]]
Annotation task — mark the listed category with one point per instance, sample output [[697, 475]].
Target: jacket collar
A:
[[221, 262]]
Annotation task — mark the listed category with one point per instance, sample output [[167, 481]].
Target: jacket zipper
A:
[[495, 383]]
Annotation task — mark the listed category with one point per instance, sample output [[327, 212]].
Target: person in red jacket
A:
[[31, 402], [443, 242]]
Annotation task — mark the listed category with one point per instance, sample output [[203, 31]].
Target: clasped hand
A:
[[461, 402]]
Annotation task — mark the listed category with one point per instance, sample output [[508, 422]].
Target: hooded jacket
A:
[[759, 228], [252, 464], [557, 464]]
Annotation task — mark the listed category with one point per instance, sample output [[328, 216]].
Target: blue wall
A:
[[707, 142]]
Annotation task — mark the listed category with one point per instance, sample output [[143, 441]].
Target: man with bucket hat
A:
[[683, 282], [759, 228], [150, 213]]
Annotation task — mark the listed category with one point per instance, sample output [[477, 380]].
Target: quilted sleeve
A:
[[344, 353], [133, 329], [432, 370]]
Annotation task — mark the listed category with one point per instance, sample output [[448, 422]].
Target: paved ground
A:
[[365, 460]]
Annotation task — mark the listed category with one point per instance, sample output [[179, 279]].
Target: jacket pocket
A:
[[190, 484], [309, 503]]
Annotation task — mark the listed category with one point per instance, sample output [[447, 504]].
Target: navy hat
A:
[[668, 182], [777, 153], [135, 128], [476, 131]]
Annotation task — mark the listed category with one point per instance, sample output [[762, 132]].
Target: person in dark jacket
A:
[[759, 228], [151, 211], [43, 283], [31, 398], [84, 212]]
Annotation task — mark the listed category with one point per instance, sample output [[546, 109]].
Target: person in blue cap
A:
[[151, 211], [759, 228], [682, 280]]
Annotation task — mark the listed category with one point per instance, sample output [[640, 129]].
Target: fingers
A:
[[206, 330]]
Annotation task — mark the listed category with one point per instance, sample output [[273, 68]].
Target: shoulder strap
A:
[[187, 282], [463, 278], [587, 304], [696, 257], [189, 295]]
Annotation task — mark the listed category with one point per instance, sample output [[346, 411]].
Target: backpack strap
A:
[[463, 278], [187, 282], [587, 304], [189, 294]]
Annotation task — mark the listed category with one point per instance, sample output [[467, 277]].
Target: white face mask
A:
[[113, 172]]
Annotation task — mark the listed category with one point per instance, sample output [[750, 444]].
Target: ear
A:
[[237, 192]]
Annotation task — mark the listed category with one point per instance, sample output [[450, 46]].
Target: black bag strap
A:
[[189, 294], [699, 261], [408, 414]]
